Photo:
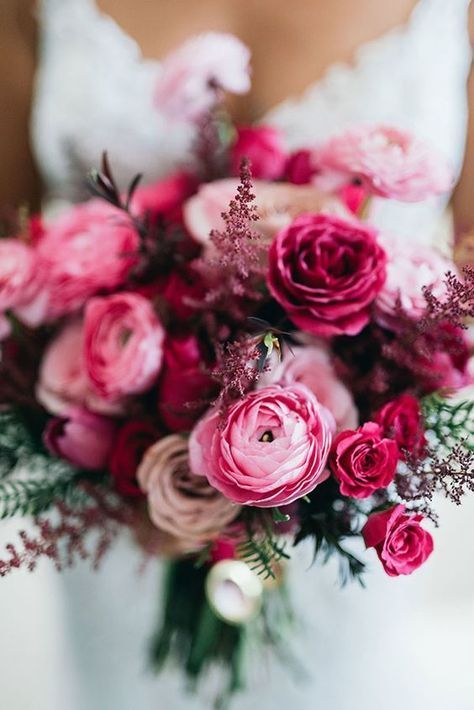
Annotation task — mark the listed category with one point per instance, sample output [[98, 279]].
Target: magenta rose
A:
[[184, 383], [363, 461], [263, 146], [91, 247], [271, 450], [132, 440], [402, 420], [82, 438], [326, 272], [123, 344], [400, 542], [300, 168]]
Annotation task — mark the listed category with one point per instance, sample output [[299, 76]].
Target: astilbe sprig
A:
[[236, 371]]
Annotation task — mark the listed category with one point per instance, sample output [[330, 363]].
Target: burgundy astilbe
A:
[[236, 370], [456, 305], [76, 533]]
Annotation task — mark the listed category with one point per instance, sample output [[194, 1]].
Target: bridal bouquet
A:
[[232, 361]]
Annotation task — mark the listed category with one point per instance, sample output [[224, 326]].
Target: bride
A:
[[85, 71]]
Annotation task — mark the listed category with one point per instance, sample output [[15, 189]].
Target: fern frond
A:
[[262, 551], [450, 421], [32, 497]]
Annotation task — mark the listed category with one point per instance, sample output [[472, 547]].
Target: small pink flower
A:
[[192, 76], [263, 146], [271, 450], [164, 198], [21, 280], [82, 438], [326, 272], [390, 163], [90, 248], [311, 366], [363, 461], [123, 344], [400, 542]]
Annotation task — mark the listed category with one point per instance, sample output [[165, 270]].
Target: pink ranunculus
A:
[[400, 542], [184, 383], [21, 280], [410, 267], [363, 461], [164, 198], [88, 249], [263, 146], [326, 272], [389, 162], [277, 205], [312, 366], [401, 419], [123, 344], [192, 75], [82, 438], [63, 382], [271, 449]]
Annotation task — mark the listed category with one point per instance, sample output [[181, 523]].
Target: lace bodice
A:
[[95, 92]]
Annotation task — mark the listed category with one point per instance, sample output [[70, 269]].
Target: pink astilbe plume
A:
[[236, 370]]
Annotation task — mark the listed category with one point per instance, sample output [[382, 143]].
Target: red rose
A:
[[400, 542], [326, 272], [401, 420], [363, 461], [300, 168], [184, 383], [263, 146], [164, 198], [133, 439], [181, 289]]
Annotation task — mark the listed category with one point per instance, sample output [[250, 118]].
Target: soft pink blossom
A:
[[193, 74], [123, 344], [390, 162], [312, 366], [5, 328], [263, 146], [89, 248], [271, 449], [21, 279]]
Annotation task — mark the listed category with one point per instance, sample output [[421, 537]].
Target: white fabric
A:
[[397, 644]]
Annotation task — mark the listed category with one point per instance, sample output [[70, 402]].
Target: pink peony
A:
[[402, 545], [389, 162], [123, 344], [63, 381], [192, 76], [82, 438], [263, 146], [363, 461], [326, 272], [270, 451], [90, 248], [410, 267], [21, 279], [312, 366]]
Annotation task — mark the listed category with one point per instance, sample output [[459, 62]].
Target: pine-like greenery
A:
[[451, 422]]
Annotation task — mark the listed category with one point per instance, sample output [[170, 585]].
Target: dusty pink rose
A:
[[410, 267], [326, 272], [63, 381], [312, 366], [363, 461], [180, 503], [277, 205], [193, 75], [271, 450], [123, 344], [400, 542], [82, 438], [90, 248], [263, 146], [21, 280], [389, 162]]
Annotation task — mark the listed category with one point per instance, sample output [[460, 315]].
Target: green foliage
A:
[[262, 549], [450, 420]]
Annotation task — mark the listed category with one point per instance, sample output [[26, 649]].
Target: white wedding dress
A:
[[400, 643]]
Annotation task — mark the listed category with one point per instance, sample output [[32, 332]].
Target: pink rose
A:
[[390, 163], [92, 247], [402, 420], [363, 461], [123, 344], [400, 542], [184, 383], [63, 381], [277, 204], [312, 366], [164, 198], [271, 450], [263, 146], [82, 438], [300, 168], [192, 75], [21, 280], [326, 272], [410, 267], [180, 503]]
